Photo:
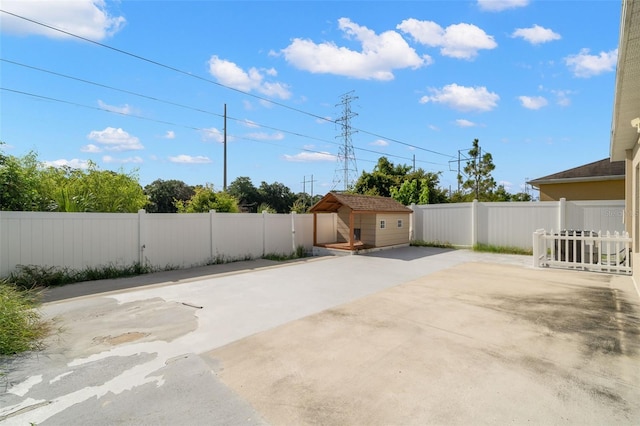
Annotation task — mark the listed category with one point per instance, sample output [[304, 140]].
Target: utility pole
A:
[[346, 157], [224, 181]]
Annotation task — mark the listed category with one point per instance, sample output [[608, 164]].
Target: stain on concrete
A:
[[103, 324], [603, 318]]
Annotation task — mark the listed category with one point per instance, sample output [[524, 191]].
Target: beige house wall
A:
[[574, 191], [632, 207], [392, 234]]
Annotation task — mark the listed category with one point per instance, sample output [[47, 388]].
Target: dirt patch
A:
[[120, 339]]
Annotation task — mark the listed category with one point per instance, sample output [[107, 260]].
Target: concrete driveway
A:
[[409, 336]]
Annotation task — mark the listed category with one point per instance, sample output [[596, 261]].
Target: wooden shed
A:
[[363, 221]]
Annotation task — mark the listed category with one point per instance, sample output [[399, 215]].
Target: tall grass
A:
[[21, 326]]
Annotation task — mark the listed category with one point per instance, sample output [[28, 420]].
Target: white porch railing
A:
[[587, 250]]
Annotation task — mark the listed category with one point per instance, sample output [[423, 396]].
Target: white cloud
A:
[[230, 74], [277, 136], [128, 160], [213, 133], [188, 159], [249, 123], [379, 142], [562, 97], [170, 134], [306, 157], [462, 41], [91, 148], [585, 65], [533, 102], [500, 5], [86, 18], [379, 56], [536, 34], [112, 139], [433, 127], [461, 122], [73, 163], [125, 109], [463, 98]]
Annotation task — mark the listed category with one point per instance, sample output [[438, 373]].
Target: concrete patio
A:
[[408, 336]]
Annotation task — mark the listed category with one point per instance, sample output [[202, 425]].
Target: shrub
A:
[[21, 327]]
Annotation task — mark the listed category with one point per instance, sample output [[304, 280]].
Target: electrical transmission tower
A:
[[346, 169]]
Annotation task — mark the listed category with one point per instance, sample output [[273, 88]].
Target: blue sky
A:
[[532, 80]]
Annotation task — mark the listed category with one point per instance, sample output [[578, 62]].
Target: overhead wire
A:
[[189, 74], [155, 99]]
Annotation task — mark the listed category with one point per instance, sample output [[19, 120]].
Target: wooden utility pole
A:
[[224, 181]]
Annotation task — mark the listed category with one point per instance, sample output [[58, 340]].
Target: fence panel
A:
[[511, 224], [326, 228], [176, 240], [595, 215], [445, 223], [278, 234], [74, 240], [304, 230], [237, 236]]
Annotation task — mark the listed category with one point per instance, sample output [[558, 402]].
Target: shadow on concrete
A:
[[88, 288], [408, 253]]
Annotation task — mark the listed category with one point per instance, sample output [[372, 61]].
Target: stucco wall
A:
[[392, 234], [600, 190]]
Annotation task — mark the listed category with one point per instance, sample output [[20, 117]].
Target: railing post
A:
[[293, 231]]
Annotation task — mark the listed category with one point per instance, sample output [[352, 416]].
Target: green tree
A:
[[163, 194], [277, 196], [246, 193], [205, 198], [384, 176], [479, 181], [19, 183]]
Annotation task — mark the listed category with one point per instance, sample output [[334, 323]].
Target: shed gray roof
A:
[[596, 171], [358, 203]]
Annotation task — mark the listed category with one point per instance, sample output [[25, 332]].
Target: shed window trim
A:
[[383, 224]]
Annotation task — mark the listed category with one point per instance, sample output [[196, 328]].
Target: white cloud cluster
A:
[[533, 102], [462, 41], [379, 142], [128, 160], [536, 34], [463, 98], [124, 109], [230, 74], [213, 133], [306, 157], [170, 134], [86, 18], [585, 65], [263, 136], [189, 159], [500, 5], [380, 54], [74, 163], [461, 122], [112, 139]]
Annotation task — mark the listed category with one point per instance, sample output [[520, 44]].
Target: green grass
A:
[[21, 326], [28, 277], [280, 257], [488, 248], [438, 244]]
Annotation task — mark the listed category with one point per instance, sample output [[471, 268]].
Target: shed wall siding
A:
[[391, 234]]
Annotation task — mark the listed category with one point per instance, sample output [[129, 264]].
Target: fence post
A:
[[562, 214], [141, 240], [412, 219], [212, 214], [474, 223], [264, 232], [293, 231]]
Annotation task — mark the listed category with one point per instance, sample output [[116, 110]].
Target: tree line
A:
[[26, 184]]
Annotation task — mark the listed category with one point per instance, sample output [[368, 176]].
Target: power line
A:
[[186, 73]]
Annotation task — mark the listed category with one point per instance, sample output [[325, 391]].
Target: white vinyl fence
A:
[[511, 224], [81, 240]]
